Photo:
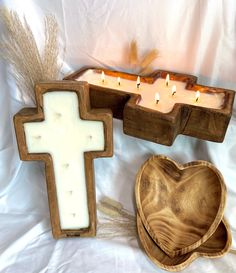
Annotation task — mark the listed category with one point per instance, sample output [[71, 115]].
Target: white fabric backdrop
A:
[[194, 36]]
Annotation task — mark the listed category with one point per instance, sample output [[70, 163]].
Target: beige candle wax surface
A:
[[65, 136], [148, 91]]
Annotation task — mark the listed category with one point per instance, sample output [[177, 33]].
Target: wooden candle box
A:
[[153, 125], [68, 167]]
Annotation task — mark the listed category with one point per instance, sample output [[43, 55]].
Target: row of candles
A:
[[157, 95]]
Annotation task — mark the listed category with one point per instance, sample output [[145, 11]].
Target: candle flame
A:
[[167, 80], [173, 90], [197, 96], [103, 77], [138, 82], [157, 98], [118, 80]]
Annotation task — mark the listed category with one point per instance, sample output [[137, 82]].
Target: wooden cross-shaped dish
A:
[[149, 124], [65, 133]]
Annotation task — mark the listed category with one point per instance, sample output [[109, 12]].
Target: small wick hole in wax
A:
[[90, 137], [38, 137], [58, 115], [66, 165]]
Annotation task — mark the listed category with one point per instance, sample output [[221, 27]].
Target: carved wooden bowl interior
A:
[[180, 205], [216, 246]]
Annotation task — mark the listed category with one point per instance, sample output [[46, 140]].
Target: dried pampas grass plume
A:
[[148, 60], [116, 220], [141, 66], [133, 56], [19, 48]]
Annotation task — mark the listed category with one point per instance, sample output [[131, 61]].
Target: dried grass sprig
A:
[[148, 60], [51, 52], [116, 220], [133, 54], [141, 66], [20, 49]]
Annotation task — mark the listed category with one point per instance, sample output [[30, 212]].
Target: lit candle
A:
[[118, 80], [66, 137], [157, 98], [197, 96], [167, 80], [173, 90], [103, 77], [138, 82], [148, 90]]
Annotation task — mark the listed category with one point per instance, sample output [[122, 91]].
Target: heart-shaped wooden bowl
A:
[[216, 246], [180, 205]]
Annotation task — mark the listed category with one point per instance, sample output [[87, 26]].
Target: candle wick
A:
[[167, 80], [138, 82], [118, 80], [66, 165], [58, 115], [103, 77], [197, 96], [173, 93]]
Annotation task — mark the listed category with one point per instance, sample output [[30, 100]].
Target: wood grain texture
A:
[[162, 128], [180, 205], [216, 246], [86, 113]]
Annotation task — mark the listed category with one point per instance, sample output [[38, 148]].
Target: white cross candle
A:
[[65, 136], [148, 91]]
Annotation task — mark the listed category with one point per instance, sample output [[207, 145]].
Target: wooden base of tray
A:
[[216, 246]]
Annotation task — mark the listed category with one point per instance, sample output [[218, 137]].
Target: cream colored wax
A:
[[66, 137], [148, 91]]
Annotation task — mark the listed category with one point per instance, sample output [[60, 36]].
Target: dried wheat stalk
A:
[[116, 222], [141, 66], [19, 48], [148, 59], [133, 54]]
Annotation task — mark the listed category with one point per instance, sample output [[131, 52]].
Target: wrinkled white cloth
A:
[[196, 37]]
